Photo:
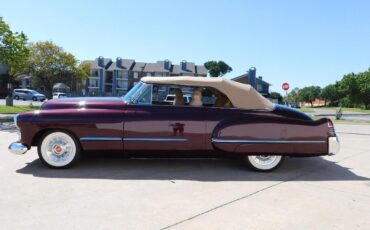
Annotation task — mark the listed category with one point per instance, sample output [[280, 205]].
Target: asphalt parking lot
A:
[[110, 193]]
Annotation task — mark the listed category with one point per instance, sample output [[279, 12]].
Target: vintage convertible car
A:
[[239, 122]]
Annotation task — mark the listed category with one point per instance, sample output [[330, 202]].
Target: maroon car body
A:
[[110, 125]]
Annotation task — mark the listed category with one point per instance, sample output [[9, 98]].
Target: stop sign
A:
[[285, 86]]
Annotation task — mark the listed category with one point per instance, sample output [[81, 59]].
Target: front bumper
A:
[[18, 148], [334, 145]]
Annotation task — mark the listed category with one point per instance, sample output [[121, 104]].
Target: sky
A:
[[307, 42]]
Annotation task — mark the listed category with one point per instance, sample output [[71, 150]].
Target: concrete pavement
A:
[[110, 193]]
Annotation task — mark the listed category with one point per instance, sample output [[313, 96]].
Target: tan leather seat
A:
[[197, 98], [179, 100], [222, 101]]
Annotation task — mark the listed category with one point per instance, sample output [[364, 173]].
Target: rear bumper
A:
[[18, 148], [334, 145]]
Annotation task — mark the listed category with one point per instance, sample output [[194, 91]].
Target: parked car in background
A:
[[241, 124], [170, 99], [294, 105], [59, 95], [28, 94]]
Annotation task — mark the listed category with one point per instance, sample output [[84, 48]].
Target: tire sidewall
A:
[[77, 147], [251, 165]]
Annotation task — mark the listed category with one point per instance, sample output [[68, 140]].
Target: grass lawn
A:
[[308, 109], [347, 109], [17, 108]]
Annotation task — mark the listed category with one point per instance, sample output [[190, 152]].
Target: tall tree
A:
[[50, 64], [330, 93], [217, 68], [309, 94], [276, 95], [348, 90], [363, 82], [293, 95], [13, 49], [82, 72]]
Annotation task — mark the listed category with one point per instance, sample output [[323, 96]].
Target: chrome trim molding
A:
[[130, 139], [100, 139], [334, 145], [17, 148], [218, 140], [155, 139]]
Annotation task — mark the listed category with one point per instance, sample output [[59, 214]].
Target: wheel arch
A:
[[40, 133]]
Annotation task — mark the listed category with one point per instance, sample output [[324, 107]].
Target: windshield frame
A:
[[134, 95]]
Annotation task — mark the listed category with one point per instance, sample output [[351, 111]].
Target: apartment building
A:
[[115, 78]]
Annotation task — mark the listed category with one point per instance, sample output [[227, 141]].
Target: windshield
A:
[[34, 92], [141, 93]]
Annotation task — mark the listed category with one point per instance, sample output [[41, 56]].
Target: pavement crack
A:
[[260, 190], [222, 205]]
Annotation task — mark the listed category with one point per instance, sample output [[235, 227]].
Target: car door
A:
[[164, 129]]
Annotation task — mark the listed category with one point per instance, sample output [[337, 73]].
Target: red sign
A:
[[285, 86]]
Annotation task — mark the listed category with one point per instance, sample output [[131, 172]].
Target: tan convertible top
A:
[[242, 96]]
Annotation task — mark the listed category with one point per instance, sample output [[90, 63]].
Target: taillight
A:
[[331, 130]]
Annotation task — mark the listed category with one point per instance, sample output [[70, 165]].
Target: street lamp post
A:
[[9, 98]]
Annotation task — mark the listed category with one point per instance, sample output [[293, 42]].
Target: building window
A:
[[148, 74], [136, 75], [123, 74], [122, 85], [94, 83], [158, 74], [95, 73], [259, 87]]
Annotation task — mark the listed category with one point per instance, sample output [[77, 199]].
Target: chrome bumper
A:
[[18, 148], [334, 145]]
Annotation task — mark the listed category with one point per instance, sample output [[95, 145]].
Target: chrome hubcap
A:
[[264, 160], [58, 149]]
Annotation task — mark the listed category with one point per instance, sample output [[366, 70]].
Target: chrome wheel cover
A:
[[58, 149], [264, 162]]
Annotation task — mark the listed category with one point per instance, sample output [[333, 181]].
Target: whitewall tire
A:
[[264, 163], [58, 149]]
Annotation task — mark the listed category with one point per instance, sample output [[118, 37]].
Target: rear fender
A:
[[274, 135]]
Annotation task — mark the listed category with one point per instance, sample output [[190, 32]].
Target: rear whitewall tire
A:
[[58, 149], [264, 163]]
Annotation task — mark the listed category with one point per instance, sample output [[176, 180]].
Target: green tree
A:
[[293, 95], [348, 90], [276, 95], [363, 83], [50, 64], [309, 94], [330, 93], [82, 72], [13, 49], [217, 68]]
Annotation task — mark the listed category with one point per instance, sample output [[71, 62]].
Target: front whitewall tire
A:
[[58, 149]]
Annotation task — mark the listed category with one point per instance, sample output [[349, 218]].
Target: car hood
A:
[[39, 95], [84, 103]]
